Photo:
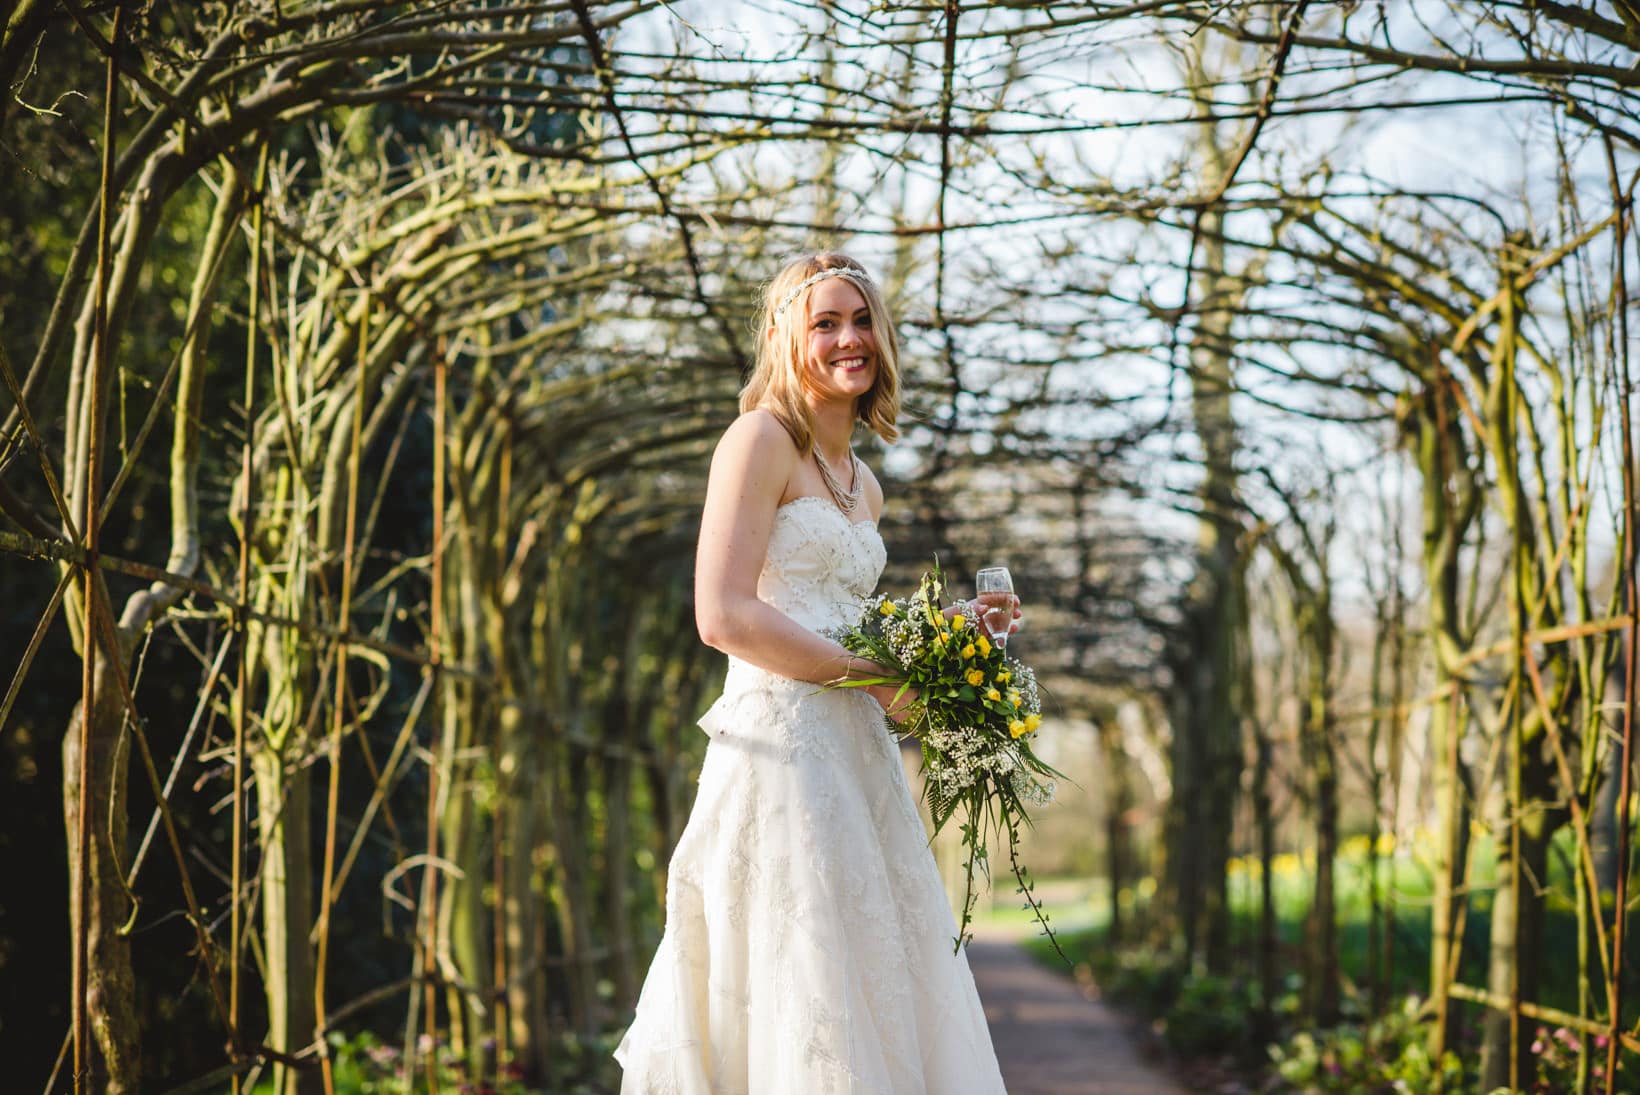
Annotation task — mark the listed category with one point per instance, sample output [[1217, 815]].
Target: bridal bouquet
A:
[[974, 716]]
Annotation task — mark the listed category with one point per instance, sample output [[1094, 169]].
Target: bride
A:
[[808, 938]]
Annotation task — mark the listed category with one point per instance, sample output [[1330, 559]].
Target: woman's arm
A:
[[750, 470]]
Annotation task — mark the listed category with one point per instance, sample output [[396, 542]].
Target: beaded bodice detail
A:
[[820, 565]]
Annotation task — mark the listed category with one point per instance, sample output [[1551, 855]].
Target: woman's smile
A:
[[842, 347]]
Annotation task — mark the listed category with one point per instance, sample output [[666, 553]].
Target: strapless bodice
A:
[[820, 565], [819, 568]]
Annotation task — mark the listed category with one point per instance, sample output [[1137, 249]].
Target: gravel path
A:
[[1050, 1038]]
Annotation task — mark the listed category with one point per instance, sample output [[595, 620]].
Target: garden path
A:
[[1050, 1038]]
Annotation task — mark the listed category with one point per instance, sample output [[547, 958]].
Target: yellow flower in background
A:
[[958, 620], [1016, 729], [991, 693], [975, 677], [984, 645], [1032, 722], [968, 651]]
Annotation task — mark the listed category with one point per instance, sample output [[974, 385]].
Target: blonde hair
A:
[[777, 383]]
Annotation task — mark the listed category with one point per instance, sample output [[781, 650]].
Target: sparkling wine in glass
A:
[[995, 589]]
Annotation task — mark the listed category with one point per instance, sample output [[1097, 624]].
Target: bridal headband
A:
[[830, 272]]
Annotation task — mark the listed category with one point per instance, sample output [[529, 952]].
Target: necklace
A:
[[846, 500]]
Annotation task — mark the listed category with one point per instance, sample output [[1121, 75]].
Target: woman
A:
[[808, 937]]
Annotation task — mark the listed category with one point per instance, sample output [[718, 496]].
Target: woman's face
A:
[[842, 353]]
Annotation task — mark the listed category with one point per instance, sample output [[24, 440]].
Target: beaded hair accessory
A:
[[830, 272]]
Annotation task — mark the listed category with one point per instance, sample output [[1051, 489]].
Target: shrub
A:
[[1143, 980], [364, 1065], [1556, 1053], [1388, 1056], [1210, 1015]]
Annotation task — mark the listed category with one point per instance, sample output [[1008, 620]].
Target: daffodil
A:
[[975, 677]]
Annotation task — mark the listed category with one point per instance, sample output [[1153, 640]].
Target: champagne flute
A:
[[995, 593]]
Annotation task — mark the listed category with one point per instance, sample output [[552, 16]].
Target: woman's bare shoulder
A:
[[760, 435]]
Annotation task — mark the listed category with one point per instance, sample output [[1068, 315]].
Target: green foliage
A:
[[1555, 1056], [1210, 1015], [1389, 1055], [1197, 1014], [365, 1065], [1146, 981]]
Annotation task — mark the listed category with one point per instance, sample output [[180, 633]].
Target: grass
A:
[[1079, 912]]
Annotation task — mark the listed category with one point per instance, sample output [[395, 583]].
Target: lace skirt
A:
[[808, 941]]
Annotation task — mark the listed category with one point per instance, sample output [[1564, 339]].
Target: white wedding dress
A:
[[808, 942]]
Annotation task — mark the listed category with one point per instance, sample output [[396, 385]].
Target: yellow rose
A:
[[1003, 677], [984, 645], [1016, 728], [968, 651], [975, 677], [992, 694], [1013, 696], [1032, 722], [958, 620]]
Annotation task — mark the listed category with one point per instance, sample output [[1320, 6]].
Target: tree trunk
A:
[[570, 833], [116, 1062], [1322, 989], [464, 923], [1450, 498], [1264, 824], [523, 907], [617, 781], [1451, 808], [283, 803], [468, 926], [1117, 796], [1516, 947], [1603, 814], [1217, 624]]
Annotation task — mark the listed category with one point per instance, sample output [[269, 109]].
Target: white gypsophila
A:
[[1031, 790], [905, 637], [1023, 681]]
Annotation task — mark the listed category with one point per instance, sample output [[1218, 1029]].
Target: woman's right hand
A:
[[899, 706]]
